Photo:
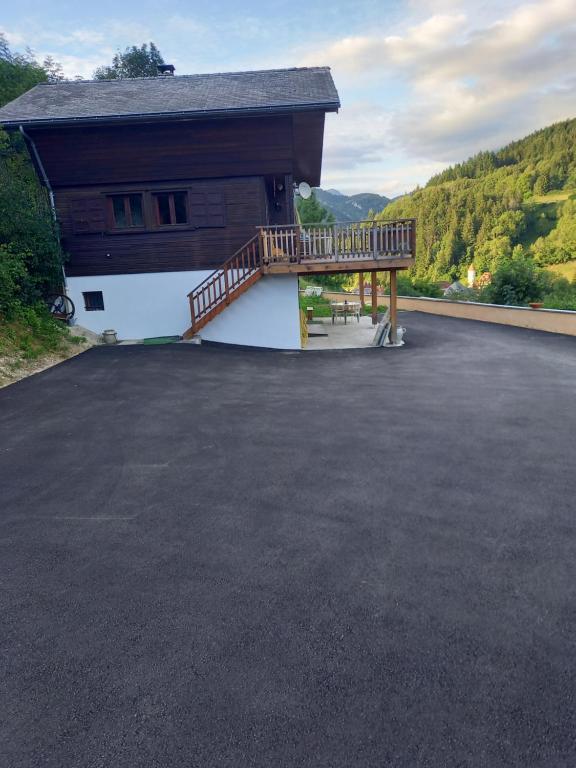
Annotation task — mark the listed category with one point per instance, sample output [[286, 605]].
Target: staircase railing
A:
[[215, 292]]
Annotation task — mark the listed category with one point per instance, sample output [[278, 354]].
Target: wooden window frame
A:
[[151, 213], [156, 207], [127, 211], [87, 301]]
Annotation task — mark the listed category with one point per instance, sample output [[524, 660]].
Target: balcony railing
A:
[[360, 241]]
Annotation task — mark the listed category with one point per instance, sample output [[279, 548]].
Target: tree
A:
[[517, 281], [20, 71], [312, 212], [30, 256], [560, 245], [509, 224], [133, 62], [542, 184]]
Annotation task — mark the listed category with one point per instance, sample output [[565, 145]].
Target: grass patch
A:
[[554, 196], [368, 309], [541, 218], [567, 270], [28, 336], [319, 303]]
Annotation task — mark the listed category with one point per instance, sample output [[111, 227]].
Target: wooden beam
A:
[[336, 267], [361, 289], [393, 305], [374, 290]]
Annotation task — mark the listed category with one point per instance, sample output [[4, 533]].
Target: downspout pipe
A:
[[45, 181], [40, 167]]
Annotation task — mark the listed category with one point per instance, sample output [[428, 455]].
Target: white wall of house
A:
[[137, 306], [152, 304], [267, 315]]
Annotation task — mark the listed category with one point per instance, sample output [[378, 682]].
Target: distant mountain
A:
[[350, 207]]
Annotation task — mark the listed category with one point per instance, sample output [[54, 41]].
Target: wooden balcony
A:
[[365, 246], [360, 246]]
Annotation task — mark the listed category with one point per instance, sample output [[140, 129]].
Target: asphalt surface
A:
[[214, 557]]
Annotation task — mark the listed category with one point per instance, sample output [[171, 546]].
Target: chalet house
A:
[[175, 201]]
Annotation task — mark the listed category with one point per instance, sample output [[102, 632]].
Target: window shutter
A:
[[88, 216], [207, 209]]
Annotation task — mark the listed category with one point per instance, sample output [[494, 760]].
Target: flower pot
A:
[[536, 305], [109, 337]]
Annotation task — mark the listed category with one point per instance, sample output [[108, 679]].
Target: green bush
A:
[[13, 276], [417, 287], [562, 295], [517, 282]]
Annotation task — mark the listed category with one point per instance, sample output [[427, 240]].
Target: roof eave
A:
[[154, 117]]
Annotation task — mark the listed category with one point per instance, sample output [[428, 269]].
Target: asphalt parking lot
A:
[[222, 557]]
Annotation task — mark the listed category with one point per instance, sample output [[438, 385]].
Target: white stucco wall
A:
[[137, 306], [156, 304], [267, 315]]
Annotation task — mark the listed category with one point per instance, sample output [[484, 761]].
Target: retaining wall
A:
[[551, 320]]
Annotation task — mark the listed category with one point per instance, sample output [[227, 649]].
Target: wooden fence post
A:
[[374, 289], [393, 305]]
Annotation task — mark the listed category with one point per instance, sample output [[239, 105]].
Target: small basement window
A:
[[126, 211], [171, 208], [93, 301]]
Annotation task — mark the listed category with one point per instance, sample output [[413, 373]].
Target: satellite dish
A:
[[304, 190]]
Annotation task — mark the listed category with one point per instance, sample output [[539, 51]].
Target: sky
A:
[[423, 83]]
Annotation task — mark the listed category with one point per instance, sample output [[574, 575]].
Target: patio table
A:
[[345, 308]]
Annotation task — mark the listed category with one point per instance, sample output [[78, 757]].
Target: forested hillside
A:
[[521, 200]]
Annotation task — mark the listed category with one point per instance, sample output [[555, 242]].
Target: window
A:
[[93, 301], [171, 208], [126, 211]]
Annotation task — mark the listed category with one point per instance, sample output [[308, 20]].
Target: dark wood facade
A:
[[236, 173]]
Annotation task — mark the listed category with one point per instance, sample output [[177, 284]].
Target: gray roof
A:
[[273, 90]]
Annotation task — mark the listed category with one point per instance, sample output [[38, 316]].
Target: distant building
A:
[[455, 288], [484, 280]]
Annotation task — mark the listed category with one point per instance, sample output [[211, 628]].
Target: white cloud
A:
[[446, 79], [12, 37], [390, 183], [470, 82], [358, 135], [79, 66]]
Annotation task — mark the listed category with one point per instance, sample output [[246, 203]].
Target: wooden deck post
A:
[[361, 289], [393, 305], [374, 290]]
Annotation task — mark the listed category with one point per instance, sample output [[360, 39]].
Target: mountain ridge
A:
[[350, 207]]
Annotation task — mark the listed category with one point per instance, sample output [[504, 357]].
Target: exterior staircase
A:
[[292, 248], [222, 287]]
